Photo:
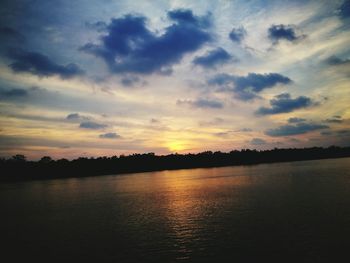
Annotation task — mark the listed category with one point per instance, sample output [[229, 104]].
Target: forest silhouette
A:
[[17, 168]]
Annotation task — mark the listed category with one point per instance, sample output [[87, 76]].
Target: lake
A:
[[282, 212]]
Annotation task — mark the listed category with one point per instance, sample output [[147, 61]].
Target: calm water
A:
[[286, 212]]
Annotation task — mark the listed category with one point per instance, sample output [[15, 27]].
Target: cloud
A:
[[247, 87], [299, 128], [335, 61], [109, 135], [257, 141], [132, 81], [212, 122], [76, 117], [92, 125], [326, 133], [284, 103], [12, 93], [153, 120], [344, 10], [296, 120], [99, 26], [244, 130], [129, 46], [10, 34], [237, 34], [202, 103], [213, 58], [40, 65], [282, 32], [343, 132], [334, 119]]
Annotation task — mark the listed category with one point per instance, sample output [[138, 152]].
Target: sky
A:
[[102, 78]]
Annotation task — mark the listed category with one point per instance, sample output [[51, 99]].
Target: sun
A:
[[176, 146]]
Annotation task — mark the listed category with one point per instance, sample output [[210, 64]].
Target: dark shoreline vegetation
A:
[[18, 168]]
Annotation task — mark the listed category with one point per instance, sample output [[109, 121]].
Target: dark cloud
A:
[[296, 120], [73, 116], [129, 46], [334, 119], [40, 65], [335, 61], [299, 128], [9, 34], [237, 34], [284, 103], [12, 93], [213, 58], [257, 141], [109, 135], [92, 125], [344, 10], [247, 87], [202, 103], [132, 81], [76, 117], [282, 32]]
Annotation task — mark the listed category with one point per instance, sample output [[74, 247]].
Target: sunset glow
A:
[[127, 77]]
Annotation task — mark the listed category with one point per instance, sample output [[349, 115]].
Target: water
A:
[[285, 212]]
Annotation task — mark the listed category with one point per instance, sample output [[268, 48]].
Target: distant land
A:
[[18, 168]]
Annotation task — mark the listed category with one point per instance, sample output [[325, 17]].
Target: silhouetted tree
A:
[[45, 159], [19, 158]]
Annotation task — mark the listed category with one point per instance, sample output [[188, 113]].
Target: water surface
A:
[[285, 212]]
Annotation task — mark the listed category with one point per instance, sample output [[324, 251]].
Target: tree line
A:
[[19, 168]]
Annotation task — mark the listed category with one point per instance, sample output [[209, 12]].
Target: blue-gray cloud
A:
[[344, 10], [9, 34], [299, 128], [247, 87], [12, 93], [282, 32], [202, 103], [237, 34], [257, 141], [109, 135], [99, 26], [296, 120], [40, 65], [335, 61], [129, 46], [76, 117], [213, 58], [92, 125], [130, 81], [285, 103]]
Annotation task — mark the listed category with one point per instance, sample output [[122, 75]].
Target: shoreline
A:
[[47, 169]]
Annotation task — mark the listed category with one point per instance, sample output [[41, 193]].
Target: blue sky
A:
[[91, 78]]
